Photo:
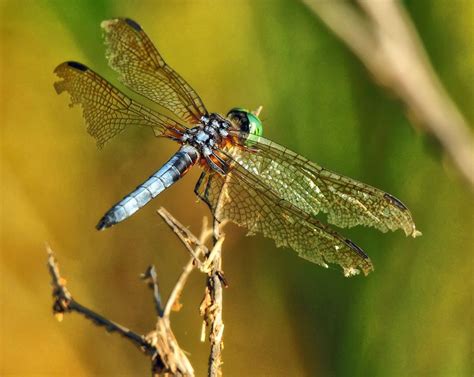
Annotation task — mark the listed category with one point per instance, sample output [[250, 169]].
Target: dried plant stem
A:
[[64, 303], [211, 307], [195, 248], [215, 286], [382, 35], [151, 276], [160, 344]]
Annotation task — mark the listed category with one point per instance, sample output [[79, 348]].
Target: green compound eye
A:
[[255, 125], [250, 125]]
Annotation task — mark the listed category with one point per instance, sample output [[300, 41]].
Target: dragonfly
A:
[[246, 178]]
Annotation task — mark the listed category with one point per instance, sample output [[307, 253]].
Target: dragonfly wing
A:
[[244, 199], [314, 189], [132, 54], [106, 110]]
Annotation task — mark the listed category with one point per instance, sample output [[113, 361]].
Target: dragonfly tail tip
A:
[[103, 223]]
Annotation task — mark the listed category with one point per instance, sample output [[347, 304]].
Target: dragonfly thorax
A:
[[207, 137], [209, 133]]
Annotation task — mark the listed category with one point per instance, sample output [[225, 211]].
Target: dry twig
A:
[[382, 35], [160, 344], [211, 305]]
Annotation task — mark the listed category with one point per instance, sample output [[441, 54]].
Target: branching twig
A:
[[160, 344], [152, 278], [211, 306], [195, 247], [64, 303], [382, 35]]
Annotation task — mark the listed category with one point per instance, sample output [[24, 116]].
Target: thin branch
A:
[[189, 240], [168, 349], [384, 38], [195, 248], [211, 306], [160, 344], [214, 312], [65, 303], [150, 276], [178, 288]]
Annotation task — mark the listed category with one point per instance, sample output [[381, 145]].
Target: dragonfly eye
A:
[[255, 124], [248, 123]]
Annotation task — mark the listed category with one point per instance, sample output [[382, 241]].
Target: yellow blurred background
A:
[[282, 315]]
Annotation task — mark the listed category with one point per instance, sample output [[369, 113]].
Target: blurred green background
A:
[[283, 315]]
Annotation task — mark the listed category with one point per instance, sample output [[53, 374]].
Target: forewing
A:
[[314, 189], [132, 54], [106, 110], [241, 198]]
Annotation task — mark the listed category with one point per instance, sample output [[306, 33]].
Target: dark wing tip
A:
[[107, 24], [365, 265], [77, 65], [133, 24], [61, 72], [356, 248], [72, 64], [395, 201]]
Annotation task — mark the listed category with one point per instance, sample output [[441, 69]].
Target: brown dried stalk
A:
[[167, 358], [211, 305], [382, 35], [212, 310], [160, 345]]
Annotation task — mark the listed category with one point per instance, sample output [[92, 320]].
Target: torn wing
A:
[[106, 110], [132, 54], [314, 189], [248, 202]]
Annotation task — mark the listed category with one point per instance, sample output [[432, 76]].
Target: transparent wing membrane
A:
[[106, 110], [314, 189], [241, 197], [132, 54]]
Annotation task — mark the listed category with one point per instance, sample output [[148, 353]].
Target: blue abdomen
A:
[[169, 173]]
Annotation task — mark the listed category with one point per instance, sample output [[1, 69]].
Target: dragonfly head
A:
[[247, 122]]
